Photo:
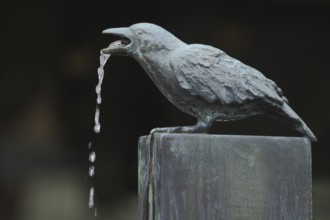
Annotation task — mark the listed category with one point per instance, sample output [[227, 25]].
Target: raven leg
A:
[[203, 126]]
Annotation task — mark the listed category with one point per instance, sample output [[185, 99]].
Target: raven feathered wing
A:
[[210, 73]]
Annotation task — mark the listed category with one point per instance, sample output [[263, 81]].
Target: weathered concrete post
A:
[[220, 177]]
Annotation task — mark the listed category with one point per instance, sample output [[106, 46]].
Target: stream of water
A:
[[100, 72], [97, 129]]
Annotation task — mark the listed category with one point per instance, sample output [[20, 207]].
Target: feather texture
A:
[[210, 73]]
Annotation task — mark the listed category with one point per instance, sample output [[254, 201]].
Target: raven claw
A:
[[164, 130]]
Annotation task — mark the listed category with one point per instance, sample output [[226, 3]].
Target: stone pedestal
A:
[[221, 177]]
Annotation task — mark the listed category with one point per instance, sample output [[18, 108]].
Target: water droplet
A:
[[98, 100], [97, 126], [89, 145], [92, 157], [91, 198], [98, 90], [91, 171]]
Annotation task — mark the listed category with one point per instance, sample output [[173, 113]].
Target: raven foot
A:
[[202, 126], [185, 129]]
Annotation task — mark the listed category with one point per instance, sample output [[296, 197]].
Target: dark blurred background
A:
[[49, 57]]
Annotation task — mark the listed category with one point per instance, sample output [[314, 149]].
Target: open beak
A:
[[122, 46]]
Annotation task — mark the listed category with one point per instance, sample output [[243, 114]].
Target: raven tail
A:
[[291, 119]]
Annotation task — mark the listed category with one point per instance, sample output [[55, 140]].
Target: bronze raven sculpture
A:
[[201, 80]]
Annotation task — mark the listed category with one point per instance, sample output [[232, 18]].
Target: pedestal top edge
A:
[[226, 137]]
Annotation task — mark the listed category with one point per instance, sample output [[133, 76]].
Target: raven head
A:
[[141, 37]]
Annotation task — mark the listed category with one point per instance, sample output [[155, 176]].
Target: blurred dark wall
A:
[[49, 57]]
